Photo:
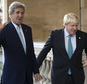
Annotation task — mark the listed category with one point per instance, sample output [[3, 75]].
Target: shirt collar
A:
[[67, 34], [16, 25]]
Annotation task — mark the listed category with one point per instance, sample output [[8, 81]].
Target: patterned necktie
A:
[[21, 38], [70, 51]]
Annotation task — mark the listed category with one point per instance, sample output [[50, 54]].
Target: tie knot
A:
[[70, 36], [18, 26]]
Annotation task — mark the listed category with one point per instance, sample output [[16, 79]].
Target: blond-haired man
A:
[[67, 45]]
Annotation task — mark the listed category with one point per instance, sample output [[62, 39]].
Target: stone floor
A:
[[85, 69]]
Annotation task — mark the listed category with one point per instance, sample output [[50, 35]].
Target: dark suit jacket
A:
[[61, 61], [17, 64]]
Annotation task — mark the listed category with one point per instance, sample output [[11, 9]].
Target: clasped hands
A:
[[37, 77], [84, 63]]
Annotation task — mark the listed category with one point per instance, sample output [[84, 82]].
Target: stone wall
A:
[[46, 15], [84, 15]]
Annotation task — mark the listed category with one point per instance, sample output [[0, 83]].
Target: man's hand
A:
[[84, 63], [37, 77], [2, 26]]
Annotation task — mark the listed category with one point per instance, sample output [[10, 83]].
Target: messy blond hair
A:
[[70, 17]]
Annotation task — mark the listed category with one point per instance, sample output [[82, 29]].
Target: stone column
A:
[[4, 12], [84, 15]]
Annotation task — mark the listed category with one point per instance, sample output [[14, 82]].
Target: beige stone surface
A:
[[85, 69], [84, 16], [84, 27], [46, 15]]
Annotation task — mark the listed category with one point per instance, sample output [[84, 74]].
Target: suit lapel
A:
[[14, 32], [63, 43], [25, 34], [78, 38], [15, 35], [78, 44], [63, 39]]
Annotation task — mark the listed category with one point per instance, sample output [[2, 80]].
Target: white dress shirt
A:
[[73, 40], [20, 31]]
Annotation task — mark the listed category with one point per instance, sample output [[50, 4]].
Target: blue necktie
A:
[[21, 38], [70, 51]]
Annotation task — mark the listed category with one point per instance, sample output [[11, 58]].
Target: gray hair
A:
[[15, 5]]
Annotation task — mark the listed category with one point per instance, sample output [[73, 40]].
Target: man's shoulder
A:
[[57, 31], [24, 25], [81, 32], [6, 26]]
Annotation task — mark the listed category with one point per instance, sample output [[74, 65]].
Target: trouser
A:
[[26, 81], [69, 80]]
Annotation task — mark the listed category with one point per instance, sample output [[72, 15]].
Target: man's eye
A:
[[72, 25], [22, 13], [17, 12]]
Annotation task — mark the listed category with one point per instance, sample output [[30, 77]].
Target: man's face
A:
[[71, 28], [17, 16]]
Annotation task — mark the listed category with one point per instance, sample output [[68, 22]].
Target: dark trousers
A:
[[69, 80], [26, 80]]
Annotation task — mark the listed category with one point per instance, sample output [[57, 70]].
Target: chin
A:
[[73, 33], [19, 23]]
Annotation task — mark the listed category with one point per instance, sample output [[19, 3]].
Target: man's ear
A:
[[10, 14], [64, 25]]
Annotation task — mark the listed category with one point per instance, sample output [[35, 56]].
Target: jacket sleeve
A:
[[1, 37], [47, 47], [86, 46], [34, 62]]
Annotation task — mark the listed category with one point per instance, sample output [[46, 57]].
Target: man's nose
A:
[[75, 27], [20, 14]]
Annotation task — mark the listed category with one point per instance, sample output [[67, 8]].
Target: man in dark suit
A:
[[67, 65], [20, 61]]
